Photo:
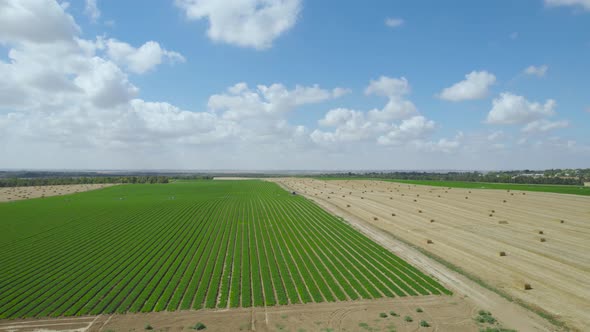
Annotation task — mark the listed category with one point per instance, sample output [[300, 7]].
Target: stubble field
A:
[[512, 240]]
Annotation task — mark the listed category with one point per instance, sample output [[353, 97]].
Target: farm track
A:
[[189, 245]]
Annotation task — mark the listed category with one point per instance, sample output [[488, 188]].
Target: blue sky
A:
[[169, 105]]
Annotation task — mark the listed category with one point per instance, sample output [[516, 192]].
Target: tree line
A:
[[556, 177], [52, 181]]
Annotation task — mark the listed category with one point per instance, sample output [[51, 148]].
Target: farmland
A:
[[558, 189], [188, 245], [530, 247]]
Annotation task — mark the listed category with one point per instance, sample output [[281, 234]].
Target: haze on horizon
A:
[[294, 84]]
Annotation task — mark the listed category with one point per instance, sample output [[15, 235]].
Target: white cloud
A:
[[241, 102], [394, 22], [539, 71], [377, 125], [142, 59], [414, 128], [397, 106], [38, 21], [247, 23], [578, 3], [445, 145], [513, 109], [388, 87], [475, 86], [543, 126], [92, 10]]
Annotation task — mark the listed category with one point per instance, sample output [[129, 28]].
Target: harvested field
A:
[[555, 265], [188, 245], [10, 194]]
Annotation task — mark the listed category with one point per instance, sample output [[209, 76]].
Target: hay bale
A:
[[393, 214], [562, 221], [362, 197], [347, 205], [503, 222], [543, 239], [541, 232], [419, 211], [491, 215], [466, 197], [429, 241], [375, 218], [502, 253], [390, 197], [431, 220], [504, 201], [527, 286]]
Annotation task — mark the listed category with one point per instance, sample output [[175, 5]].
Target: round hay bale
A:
[[543, 239], [393, 214], [502, 253], [347, 205], [429, 241], [431, 220], [541, 232], [375, 218], [527, 286], [419, 211]]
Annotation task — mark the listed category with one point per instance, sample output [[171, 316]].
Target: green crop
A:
[[187, 245]]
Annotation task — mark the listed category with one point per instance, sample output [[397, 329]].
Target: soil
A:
[[469, 228], [10, 194], [442, 313]]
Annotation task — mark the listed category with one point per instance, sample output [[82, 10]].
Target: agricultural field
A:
[[8, 194], [188, 245], [559, 189], [530, 247]]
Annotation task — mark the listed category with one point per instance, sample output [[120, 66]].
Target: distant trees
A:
[[26, 182], [557, 177]]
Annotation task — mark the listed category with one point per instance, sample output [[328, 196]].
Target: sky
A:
[[295, 84]]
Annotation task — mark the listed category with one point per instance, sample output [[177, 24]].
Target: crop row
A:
[[203, 244]]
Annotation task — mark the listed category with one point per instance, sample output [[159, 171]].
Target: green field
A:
[[187, 245], [560, 189]]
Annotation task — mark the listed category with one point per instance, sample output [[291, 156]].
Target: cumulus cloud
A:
[[539, 71], [37, 21], [397, 123], [241, 102], [247, 23], [142, 59], [410, 129], [509, 108], [543, 126], [68, 91], [91, 9], [585, 4], [397, 106], [475, 86], [394, 22]]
